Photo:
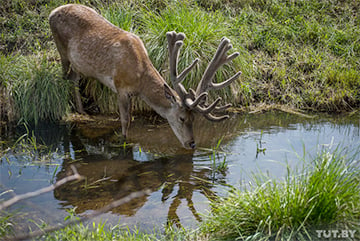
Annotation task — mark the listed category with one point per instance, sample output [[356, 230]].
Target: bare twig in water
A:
[[17, 198], [83, 219]]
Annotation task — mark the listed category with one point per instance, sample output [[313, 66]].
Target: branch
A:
[[96, 213], [17, 198]]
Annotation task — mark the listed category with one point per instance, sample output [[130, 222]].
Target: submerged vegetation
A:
[[302, 54]]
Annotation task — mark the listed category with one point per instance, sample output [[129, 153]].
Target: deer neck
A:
[[153, 93]]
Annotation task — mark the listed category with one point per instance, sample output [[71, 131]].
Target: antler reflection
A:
[[108, 180]]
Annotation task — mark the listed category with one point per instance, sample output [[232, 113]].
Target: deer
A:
[[92, 47]]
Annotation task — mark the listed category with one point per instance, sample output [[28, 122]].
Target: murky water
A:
[[182, 182]]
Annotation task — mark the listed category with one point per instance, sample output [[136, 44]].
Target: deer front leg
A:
[[79, 105], [125, 111], [69, 73]]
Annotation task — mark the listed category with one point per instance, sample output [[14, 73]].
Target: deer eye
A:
[[182, 119]]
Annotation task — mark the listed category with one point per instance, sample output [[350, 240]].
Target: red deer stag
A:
[[90, 46]]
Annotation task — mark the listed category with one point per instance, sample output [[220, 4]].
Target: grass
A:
[[201, 42], [38, 90], [6, 225], [95, 231], [218, 166], [102, 232], [324, 195], [98, 232], [28, 150], [302, 54], [7, 108]]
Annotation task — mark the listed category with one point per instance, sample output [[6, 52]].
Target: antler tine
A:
[[220, 58], [185, 72], [207, 109], [175, 42], [191, 102], [224, 107], [211, 117], [217, 86]]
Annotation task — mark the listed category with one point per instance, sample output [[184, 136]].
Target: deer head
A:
[[187, 102]]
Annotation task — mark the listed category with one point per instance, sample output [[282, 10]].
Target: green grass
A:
[[295, 46], [37, 88], [28, 150], [100, 231], [302, 54], [103, 232], [6, 225], [201, 42], [323, 195]]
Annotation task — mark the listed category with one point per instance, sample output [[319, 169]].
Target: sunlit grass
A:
[[201, 42], [298, 49], [38, 90], [302, 54], [122, 15], [101, 231], [323, 195]]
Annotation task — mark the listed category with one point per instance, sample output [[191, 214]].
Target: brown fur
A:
[[91, 46]]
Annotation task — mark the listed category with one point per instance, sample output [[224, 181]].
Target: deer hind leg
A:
[[124, 101], [69, 73]]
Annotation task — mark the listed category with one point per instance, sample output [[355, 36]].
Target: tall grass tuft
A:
[[204, 31], [122, 15], [39, 91], [102, 232], [7, 110], [324, 195]]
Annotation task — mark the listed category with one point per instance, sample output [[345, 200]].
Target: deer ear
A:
[[169, 94]]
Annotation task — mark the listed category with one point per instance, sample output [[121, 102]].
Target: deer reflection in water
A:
[[109, 178]]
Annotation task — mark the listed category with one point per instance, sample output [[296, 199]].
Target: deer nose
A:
[[192, 144]]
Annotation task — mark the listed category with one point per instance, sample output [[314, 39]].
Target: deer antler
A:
[[197, 100], [175, 42], [220, 58]]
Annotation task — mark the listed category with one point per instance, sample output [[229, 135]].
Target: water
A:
[[182, 183]]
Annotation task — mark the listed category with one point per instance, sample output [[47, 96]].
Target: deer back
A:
[[98, 49]]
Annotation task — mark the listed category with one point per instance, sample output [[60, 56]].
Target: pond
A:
[[181, 182]]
